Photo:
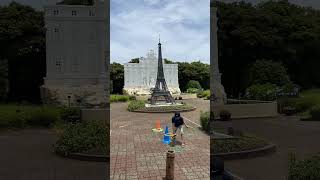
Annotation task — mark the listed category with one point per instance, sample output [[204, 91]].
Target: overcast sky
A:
[[182, 24], [184, 29]]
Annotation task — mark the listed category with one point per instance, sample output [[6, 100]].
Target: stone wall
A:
[[86, 96]]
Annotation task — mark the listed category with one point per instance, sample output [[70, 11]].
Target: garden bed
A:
[[84, 141], [139, 106], [241, 147]]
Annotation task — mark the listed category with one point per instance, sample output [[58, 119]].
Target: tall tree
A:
[[22, 43], [117, 77]]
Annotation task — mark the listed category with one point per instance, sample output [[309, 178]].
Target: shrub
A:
[[83, 137], [121, 98], [304, 169], [205, 121], [192, 90], [304, 104], [203, 94], [315, 113], [134, 105], [12, 116], [267, 71], [289, 110], [193, 84], [262, 92], [12, 120], [42, 117], [132, 98], [70, 114]]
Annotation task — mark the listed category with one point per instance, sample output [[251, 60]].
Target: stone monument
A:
[[160, 89], [140, 77], [77, 50], [218, 95]]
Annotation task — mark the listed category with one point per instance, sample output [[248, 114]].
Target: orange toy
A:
[[158, 126]]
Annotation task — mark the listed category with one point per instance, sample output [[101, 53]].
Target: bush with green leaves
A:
[[262, 92], [83, 137], [315, 113], [203, 94], [308, 168], [300, 104], [192, 90], [120, 98], [42, 117], [14, 116], [135, 105], [205, 121], [193, 84], [267, 71], [70, 114]]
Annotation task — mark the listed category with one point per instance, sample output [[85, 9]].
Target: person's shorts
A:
[[180, 128]]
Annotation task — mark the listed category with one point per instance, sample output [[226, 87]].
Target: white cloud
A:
[[184, 26]]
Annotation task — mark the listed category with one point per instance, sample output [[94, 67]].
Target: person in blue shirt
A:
[[178, 123]]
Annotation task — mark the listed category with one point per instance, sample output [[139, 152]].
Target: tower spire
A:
[[161, 88]]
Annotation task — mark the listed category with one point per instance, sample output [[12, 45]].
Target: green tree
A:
[[197, 71], [22, 43], [134, 60], [193, 84], [275, 30], [117, 77], [266, 71], [77, 2]]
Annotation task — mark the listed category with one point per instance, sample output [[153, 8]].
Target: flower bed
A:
[[242, 143], [87, 138]]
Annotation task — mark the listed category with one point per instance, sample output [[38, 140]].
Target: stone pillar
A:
[[170, 166], [218, 95]]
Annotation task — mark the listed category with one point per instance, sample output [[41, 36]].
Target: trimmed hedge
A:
[[83, 137], [121, 98]]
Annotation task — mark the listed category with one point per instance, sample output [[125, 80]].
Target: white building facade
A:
[[140, 77], [76, 47]]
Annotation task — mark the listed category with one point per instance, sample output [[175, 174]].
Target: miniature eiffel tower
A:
[[161, 88]]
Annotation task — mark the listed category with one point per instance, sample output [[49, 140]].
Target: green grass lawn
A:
[[20, 116]]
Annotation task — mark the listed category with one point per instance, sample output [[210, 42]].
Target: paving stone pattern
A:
[[138, 153]]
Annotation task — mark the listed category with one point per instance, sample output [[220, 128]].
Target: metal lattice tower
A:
[[161, 88]]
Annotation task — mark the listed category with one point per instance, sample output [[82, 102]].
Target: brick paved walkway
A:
[[138, 153]]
